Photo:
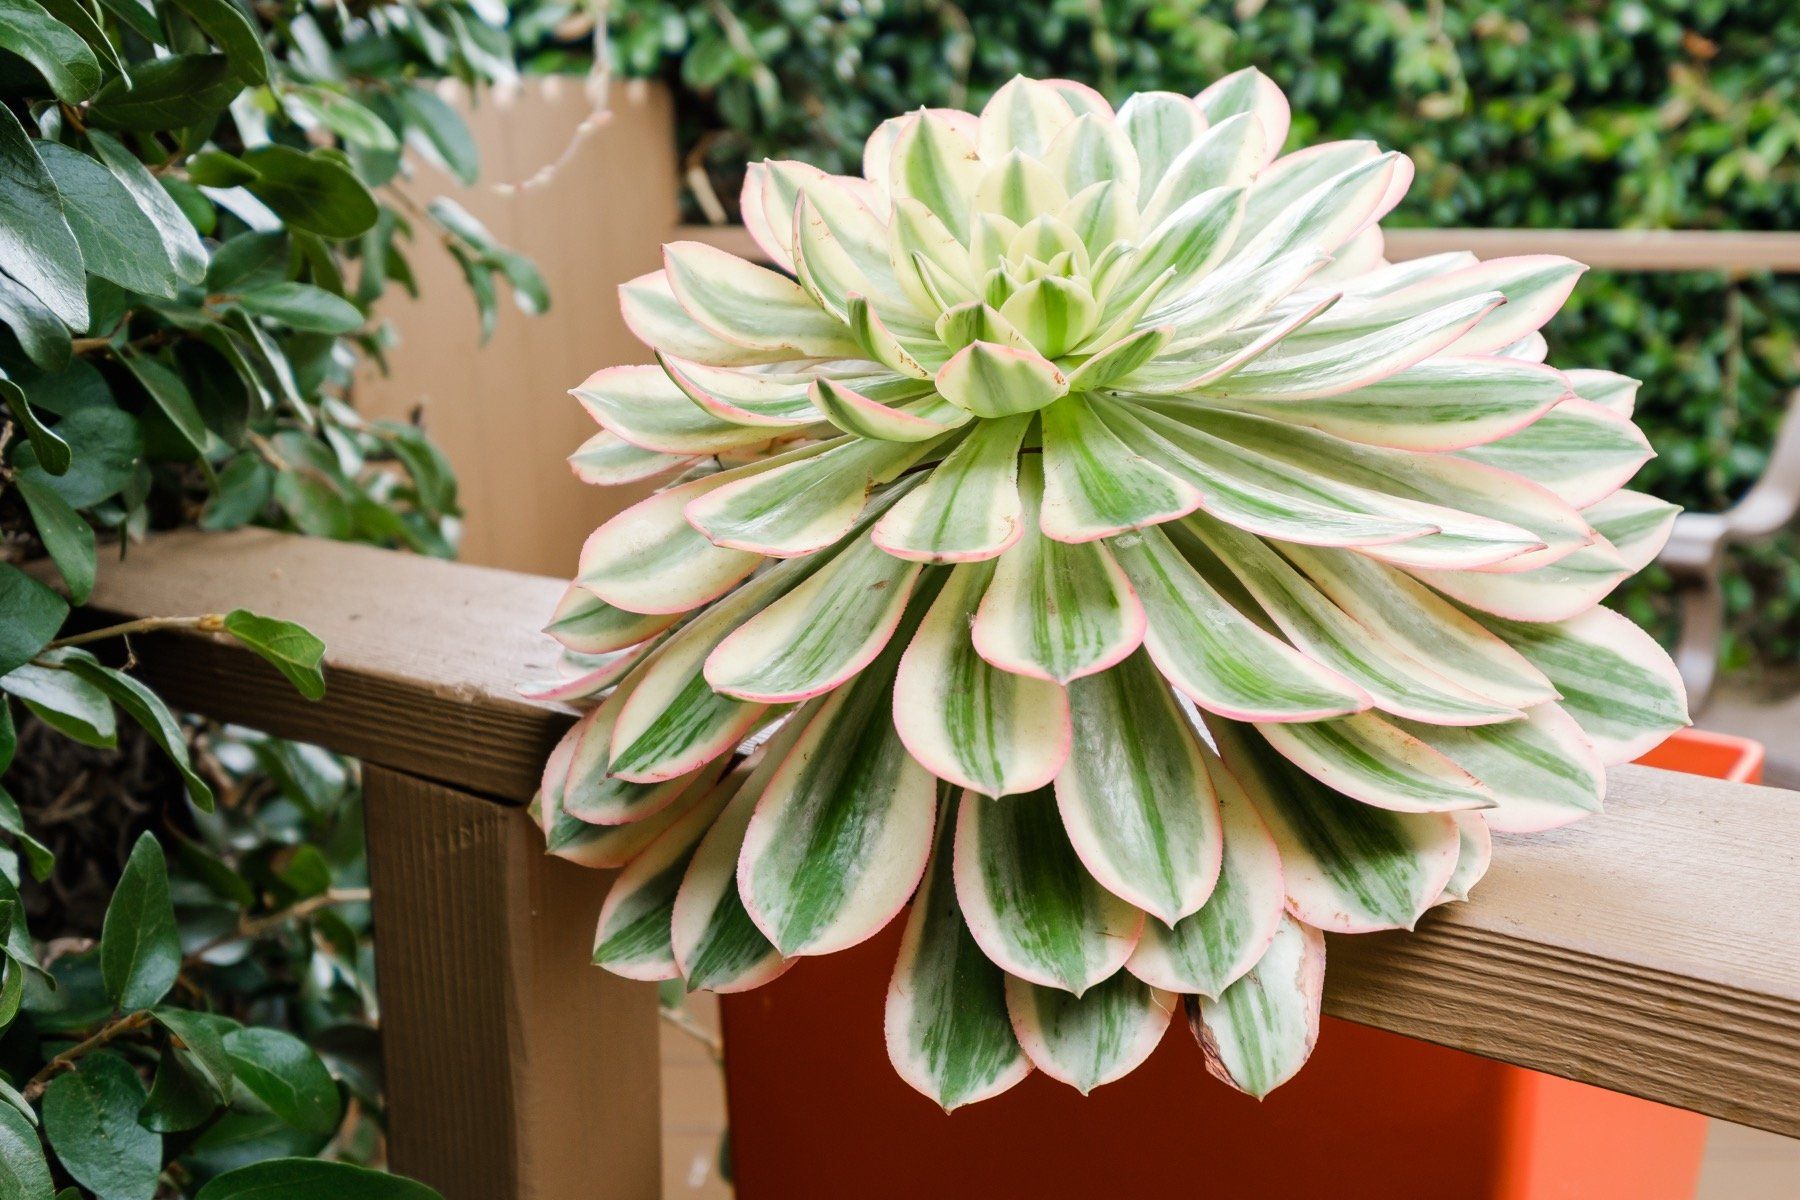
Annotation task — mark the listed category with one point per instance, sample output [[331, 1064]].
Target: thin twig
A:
[[67, 1059], [210, 623], [253, 927]]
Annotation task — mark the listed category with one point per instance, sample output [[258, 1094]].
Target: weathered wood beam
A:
[[1649, 950], [423, 656]]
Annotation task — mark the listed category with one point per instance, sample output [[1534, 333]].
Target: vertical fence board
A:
[[515, 1070], [502, 412]]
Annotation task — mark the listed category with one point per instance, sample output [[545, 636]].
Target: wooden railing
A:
[[1649, 950]]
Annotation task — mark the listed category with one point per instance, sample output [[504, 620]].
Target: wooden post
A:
[[515, 1070]]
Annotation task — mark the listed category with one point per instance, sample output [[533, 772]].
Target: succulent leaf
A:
[[1165, 578], [948, 1033], [1029, 903], [1091, 1039], [1209, 950], [1262, 1028]]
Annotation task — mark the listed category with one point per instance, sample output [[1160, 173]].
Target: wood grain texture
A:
[[422, 656], [1602, 249], [1650, 949], [515, 1069]]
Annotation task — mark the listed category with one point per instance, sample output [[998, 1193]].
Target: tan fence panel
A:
[[502, 411]]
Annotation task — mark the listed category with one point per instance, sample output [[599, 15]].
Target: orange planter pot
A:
[[817, 1112]]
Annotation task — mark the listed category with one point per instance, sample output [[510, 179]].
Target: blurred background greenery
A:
[[1522, 113]]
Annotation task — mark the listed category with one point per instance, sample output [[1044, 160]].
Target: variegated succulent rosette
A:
[[1083, 533]]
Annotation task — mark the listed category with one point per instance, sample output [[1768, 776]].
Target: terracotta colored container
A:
[[818, 1114]]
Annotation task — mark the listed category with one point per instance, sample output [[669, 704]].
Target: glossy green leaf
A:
[[181, 243], [140, 952], [36, 243], [284, 1073], [170, 393], [110, 442], [301, 306], [41, 333], [81, 19], [291, 649], [48, 447], [67, 538], [437, 131], [38, 857], [216, 168], [201, 1038], [90, 1120], [166, 93], [65, 701], [148, 710], [33, 615], [348, 119], [234, 33], [57, 51], [314, 192], [23, 1172]]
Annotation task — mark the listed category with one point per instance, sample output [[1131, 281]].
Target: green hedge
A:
[[1629, 114]]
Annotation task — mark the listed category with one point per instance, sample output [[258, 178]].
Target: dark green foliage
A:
[[196, 229], [1524, 113], [263, 1051], [140, 952]]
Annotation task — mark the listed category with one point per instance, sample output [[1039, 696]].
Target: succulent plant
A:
[[1082, 533]]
